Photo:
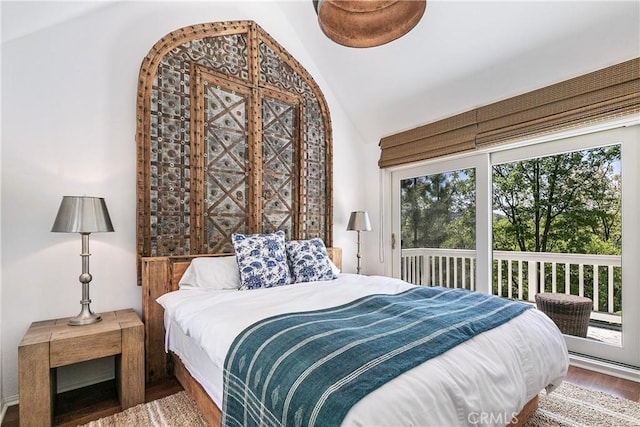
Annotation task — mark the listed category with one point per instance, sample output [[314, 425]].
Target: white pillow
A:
[[334, 268], [211, 273]]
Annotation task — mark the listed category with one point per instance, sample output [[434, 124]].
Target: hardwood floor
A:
[[90, 403], [613, 385], [100, 400]]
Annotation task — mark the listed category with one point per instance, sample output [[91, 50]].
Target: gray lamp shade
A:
[[359, 221], [82, 214]]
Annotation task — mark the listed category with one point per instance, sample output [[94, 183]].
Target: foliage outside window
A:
[[439, 211], [567, 203]]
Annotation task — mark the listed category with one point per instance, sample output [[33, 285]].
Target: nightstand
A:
[[50, 344]]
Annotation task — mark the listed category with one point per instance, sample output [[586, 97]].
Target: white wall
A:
[[3, 406], [374, 262], [68, 127]]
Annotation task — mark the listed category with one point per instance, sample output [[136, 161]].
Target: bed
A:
[[492, 379], [234, 136]]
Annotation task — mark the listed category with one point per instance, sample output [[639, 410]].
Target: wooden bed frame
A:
[[161, 275]]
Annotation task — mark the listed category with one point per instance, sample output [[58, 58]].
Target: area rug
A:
[[569, 405], [177, 410]]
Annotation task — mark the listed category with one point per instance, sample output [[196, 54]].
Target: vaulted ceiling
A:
[[461, 55]]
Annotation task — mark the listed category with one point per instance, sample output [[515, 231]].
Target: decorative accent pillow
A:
[[211, 273], [309, 261], [262, 260]]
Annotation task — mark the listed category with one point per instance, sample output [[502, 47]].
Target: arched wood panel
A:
[[233, 135]]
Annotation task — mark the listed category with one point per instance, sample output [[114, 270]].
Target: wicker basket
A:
[[570, 313]]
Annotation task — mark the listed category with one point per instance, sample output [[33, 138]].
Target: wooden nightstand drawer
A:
[[89, 347]]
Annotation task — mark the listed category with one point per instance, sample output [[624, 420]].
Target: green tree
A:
[[558, 203], [411, 211], [461, 229], [566, 203], [439, 211]]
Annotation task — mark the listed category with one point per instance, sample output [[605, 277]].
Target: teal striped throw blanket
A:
[[310, 368]]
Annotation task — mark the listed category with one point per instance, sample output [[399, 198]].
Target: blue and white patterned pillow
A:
[[262, 260], [309, 261]]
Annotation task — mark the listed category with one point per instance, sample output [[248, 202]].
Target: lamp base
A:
[[86, 317]]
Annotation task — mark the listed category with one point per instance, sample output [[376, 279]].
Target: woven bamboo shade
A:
[[451, 135], [594, 97], [368, 23]]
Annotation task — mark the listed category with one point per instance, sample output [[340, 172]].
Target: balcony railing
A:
[[596, 276]]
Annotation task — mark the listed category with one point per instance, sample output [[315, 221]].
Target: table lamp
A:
[[84, 215], [359, 221]]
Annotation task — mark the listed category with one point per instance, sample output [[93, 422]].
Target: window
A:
[[438, 211], [554, 216]]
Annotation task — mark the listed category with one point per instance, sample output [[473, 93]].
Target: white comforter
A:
[[484, 381]]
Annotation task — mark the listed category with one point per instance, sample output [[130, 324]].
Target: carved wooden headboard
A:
[[233, 135]]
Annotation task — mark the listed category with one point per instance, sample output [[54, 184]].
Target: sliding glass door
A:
[[565, 232], [435, 223], [556, 220]]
